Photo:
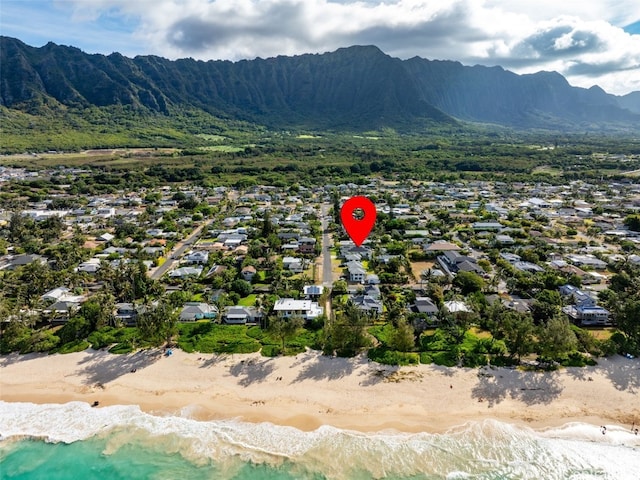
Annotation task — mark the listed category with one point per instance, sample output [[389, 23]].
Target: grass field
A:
[[248, 301], [221, 148]]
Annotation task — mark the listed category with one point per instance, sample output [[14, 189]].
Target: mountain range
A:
[[356, 88]]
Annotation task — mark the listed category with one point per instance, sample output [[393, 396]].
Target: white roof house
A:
[[185, 272], [454, 306], [289, 307], [55, 294], [90, 266]]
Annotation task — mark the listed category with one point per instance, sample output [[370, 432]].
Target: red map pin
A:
[[360, 227]]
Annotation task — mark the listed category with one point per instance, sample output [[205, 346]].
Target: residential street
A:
[[177, 251], [327, 275]]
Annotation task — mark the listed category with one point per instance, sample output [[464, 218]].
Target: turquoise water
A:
[[38, 460], [74, 441]]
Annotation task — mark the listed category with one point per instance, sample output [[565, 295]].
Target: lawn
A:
[[207, 337], [248, 301]]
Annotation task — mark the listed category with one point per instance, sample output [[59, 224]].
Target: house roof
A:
[[425, 305], [313, 289], [456, 306], [442, 246], [283, 304]]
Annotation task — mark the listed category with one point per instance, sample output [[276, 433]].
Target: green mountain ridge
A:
[[354, 88]]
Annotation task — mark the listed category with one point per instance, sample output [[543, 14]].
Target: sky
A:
[[590, 42]]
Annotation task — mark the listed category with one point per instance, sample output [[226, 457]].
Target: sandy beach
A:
[[310, 390]]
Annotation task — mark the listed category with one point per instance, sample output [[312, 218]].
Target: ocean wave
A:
[[478, 450]]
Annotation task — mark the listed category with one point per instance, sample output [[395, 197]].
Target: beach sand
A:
[[310, 390]]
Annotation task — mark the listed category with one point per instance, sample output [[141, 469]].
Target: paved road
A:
[[327, 274], [327, 271], [180, 247]]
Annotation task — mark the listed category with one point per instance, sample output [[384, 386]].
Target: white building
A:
[[289, 307]]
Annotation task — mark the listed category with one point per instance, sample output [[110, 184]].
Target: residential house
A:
[[154, 252], [350, 249], [424, 305], [55, 294], [294, 264], [248, 273], [528, 267], [199, 257], [289, 236], [455, 306], [183, 272], [307, 245], [90, 266], [487, 226], [367, 302], [126, 313], [105, 237], [504, 240], [588, 314], [312, 292], [193, 311], [580, 297], [357, 272], [441, 246], [452, 263], [238, 315], [289, 307], [13, 262], [372, 279], [291, 246], [587, 261], [61, 311]]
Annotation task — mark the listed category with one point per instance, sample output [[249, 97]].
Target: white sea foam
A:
[[479, 450]]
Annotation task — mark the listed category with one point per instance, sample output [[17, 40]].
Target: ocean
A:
[[75, 441]]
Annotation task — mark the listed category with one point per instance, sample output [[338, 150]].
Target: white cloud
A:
[[582, 40]]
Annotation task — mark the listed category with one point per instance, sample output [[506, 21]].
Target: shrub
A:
[[607, 347], [255, 332], [74, 346], [40, 341], [446, 359], [382, 333], [620, 341], [270, 350], [425, 358], [576, 359], [124, 347], [472, 360], [392, 357], [504, 361], [101, 338]]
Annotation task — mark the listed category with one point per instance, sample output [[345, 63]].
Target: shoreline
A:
[[310, 390]]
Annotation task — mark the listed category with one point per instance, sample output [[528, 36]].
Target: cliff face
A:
[[357, 87]]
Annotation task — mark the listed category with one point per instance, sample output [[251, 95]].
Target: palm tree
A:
[[425, 276]]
